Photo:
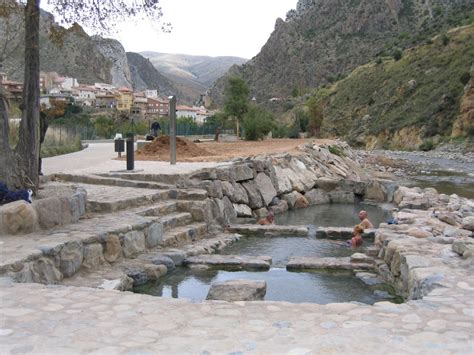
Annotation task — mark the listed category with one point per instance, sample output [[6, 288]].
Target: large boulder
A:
[[317, 197], [154, 235], [238, 290], [242, 172], [468, 223], [255, 198], [50, 212], [18, 217], [133, 244], [375, 192], [243, 210], [266, 188], [283, 182], [295, 200]]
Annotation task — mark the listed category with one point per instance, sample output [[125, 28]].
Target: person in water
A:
[[356, 240], [269, 219], [365, 223]]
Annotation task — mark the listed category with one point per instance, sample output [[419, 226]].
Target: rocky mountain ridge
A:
[[325, 39]]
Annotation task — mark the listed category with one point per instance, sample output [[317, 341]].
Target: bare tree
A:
[[19, 166]]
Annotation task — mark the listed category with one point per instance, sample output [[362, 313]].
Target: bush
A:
[[334, 149], [257, 123], [104, 127], [397, 54], [280, 130], [427, 145], [465, 77], [445, 39]]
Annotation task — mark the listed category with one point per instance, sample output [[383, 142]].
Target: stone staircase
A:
[[134, 233]]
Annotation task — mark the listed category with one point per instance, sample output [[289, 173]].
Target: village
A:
[[145, 105]]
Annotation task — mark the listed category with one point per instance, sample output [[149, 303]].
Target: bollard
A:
[[130, 154]]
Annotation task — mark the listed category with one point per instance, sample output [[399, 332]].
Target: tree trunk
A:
[[8, 171], [27, 150], [237, 123]]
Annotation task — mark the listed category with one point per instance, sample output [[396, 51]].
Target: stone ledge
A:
[[309, 263], [231, 262], [269, 230]]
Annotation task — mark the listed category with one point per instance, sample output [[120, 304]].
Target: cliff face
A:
[[324, 39], [70, 52], [114, 52]]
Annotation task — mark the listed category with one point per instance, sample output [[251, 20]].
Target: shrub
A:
[[397, 54], [465, 77], [427, 145], [334, 149], [445, 39], [257, 123]]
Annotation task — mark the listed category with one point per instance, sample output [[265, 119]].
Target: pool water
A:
[[281, 249], [320, 287], [334, 215]]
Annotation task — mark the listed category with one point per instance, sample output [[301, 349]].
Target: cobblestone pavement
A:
[[63, 320]]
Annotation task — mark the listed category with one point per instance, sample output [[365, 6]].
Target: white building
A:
[[151, 94]]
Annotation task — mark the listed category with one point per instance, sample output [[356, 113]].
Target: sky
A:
[[207, 27]]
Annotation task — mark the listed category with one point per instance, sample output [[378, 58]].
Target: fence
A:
[[63, 134]]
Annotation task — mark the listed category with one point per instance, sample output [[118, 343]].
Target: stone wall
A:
[[433, 236], [315, 175], [21, 217]]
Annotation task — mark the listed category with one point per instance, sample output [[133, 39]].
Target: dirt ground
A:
[[211, 151]]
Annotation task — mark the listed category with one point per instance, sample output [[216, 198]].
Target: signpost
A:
[[172, 116]]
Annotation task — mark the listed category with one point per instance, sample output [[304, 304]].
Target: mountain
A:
[[323, 40], [72, 52], [144, 76], [192, 74], [419, 99]]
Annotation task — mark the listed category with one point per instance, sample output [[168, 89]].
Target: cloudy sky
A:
[[207, 27]]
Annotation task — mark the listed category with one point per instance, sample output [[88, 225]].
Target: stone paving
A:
[[63, 320]]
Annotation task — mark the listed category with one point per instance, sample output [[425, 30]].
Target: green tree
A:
[[20, 168], [104, 127], [257, 123], [236, 102]]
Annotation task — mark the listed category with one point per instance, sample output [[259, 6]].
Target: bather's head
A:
[[271, 216], [362, 215]]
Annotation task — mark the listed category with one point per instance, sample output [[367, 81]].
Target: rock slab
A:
[[238, 290]]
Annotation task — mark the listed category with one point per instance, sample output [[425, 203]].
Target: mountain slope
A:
[[326, 39], [400, 104], [145, 76]]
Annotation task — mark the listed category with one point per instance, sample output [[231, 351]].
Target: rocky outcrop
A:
[[464, 124]]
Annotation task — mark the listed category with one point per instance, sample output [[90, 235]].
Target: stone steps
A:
[[185, 234], [178, 219], [117, 181]]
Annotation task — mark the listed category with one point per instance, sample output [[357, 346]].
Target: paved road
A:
[[99, 158]]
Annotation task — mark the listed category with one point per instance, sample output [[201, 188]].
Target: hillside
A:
[[323, 40], [401, 104], [192, 74]]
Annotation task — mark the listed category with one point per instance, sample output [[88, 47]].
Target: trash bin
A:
[[119, 145]]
